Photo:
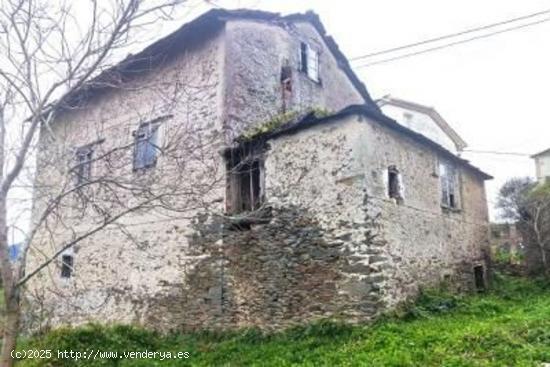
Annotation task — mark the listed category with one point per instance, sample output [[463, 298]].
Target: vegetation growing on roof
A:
[[280, 120], [320, 112]]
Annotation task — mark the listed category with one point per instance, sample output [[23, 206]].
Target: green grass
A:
[[509, 326]]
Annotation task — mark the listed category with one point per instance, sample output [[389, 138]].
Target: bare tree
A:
[[512, 198], [52, 52], [537, 221], [528, 205]]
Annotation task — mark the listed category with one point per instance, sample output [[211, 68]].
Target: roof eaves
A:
[[444, 125], [142, 61], [310, 121], [157, 49]]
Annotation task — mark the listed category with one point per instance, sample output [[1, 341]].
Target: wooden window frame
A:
[[83, 168], [309, 62], [449, 181], [146, 134], [394, 184], [245, 166]]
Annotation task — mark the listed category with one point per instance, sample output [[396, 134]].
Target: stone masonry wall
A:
[[391, 250], [121, 271], [256, 52], [427, 244], [335, 245], [158, 270], [318, 255]]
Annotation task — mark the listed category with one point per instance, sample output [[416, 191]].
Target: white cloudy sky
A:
[[495, 92]]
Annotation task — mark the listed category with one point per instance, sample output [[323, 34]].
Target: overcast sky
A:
[[495, 92]]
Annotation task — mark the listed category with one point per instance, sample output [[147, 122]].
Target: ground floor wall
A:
[[426, 249], [211, 274], [287, 271], [327, 243]]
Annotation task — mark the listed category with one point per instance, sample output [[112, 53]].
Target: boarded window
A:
[[83, 168], [245, 183], [146, 146], [309, 61], [395, 187], [66, 266], [448, 180]]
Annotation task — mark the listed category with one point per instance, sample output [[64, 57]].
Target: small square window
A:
[[66, 266], [83, 168], [146, 146], [407, 118]]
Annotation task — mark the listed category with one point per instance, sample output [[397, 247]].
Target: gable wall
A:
[[256, 51]]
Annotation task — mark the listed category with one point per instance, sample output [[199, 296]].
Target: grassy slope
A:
[[507, 327]]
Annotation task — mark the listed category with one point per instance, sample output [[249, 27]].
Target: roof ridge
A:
[[161, 48]]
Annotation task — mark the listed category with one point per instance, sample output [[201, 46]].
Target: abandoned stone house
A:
[[318, 206]]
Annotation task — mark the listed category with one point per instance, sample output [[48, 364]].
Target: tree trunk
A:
[[11, 330], [539, 238], [544, 259]]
